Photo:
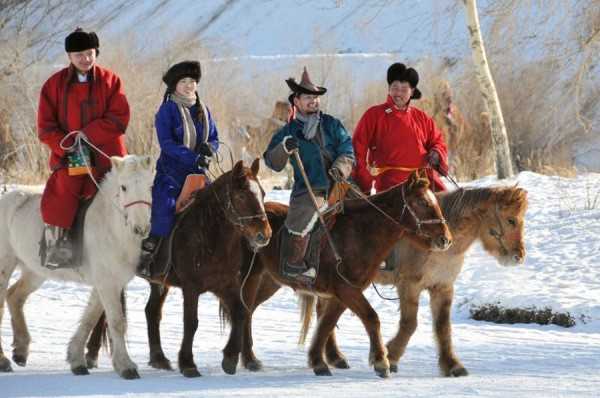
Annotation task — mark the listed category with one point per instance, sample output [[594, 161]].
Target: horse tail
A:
[[307, 307], [224, 316]]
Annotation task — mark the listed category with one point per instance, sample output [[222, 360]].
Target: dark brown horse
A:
[[495, 217], [206, 257], [364, 236]]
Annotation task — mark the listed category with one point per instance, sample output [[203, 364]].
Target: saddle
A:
[[75, 236], [162, 261]]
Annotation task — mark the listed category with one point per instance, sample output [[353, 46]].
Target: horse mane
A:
[[457, 203], [357, 204], [208, 204]]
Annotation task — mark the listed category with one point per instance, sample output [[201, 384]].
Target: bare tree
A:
[[490, 95]]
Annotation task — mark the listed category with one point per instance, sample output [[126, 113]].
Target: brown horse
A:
[[364, 237], [495, 217], [206, 257]]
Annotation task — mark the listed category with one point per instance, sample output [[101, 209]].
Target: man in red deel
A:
[[393, 139], [81, 101]]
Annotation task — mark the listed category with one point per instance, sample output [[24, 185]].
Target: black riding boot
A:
[[149, 248]]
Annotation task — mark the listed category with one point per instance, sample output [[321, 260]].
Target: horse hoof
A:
[[5, 365], [80, 371], [91, 363], [20, 360], [190, 372], [341, 363], [130, 374], [229, 365], [254, 366], [161, 364], [322, 371], [459, 372], [384, 373], [394, 367]]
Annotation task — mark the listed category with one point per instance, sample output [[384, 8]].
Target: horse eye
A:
[[512, 221], [123, 188]]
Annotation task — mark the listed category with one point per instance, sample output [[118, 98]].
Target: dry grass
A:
[[242, 101]]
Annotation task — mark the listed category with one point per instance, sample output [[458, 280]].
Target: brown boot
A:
[[295, 264]]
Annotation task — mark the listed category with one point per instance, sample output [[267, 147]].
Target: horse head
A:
[[132, 177], [429, 229], [245, 207], [502, 224]]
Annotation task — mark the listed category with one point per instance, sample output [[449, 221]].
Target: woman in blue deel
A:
[[185, 142]]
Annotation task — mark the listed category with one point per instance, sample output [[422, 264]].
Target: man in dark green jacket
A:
[[325, 149]]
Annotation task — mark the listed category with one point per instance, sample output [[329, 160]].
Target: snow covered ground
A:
[[562, 271]]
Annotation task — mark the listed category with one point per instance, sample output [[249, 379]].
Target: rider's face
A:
[[83, 60], [307, 103], [400, 93]]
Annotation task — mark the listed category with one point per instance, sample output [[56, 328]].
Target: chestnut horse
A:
[[495, 217], [365, 237]]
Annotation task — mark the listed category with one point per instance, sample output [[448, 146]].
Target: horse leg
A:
[[111, 297], [358, 304], [187, 367], [332, 353], [95, 342], [75, 350], [441, 303], [238, 315], [7, 266], [409, 307], [254, 296], [158, 294], [327, 321], [17, 295]]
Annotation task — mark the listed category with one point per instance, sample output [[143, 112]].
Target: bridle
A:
[[233, 214], [418, 221], [499, 235]]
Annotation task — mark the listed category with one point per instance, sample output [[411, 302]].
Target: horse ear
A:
[[412, 179], [255, 167], [117, 162], [146, 162], [238, 171]]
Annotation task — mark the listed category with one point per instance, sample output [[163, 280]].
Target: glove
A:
[[202, 162], [291, 144], [433, 159], [336, 174], [205, 149]]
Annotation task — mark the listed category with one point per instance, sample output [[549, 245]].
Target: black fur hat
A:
[[180, 71], [401, 73], [79, 40]]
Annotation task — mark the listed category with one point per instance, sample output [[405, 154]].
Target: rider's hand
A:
[[336, 174], [291, 144], [433, 159], [205, 149], [202, 162]]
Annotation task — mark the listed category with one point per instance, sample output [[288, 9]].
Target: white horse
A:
[[116, 222]]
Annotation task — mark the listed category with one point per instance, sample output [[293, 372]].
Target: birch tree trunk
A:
[[488, 91]]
